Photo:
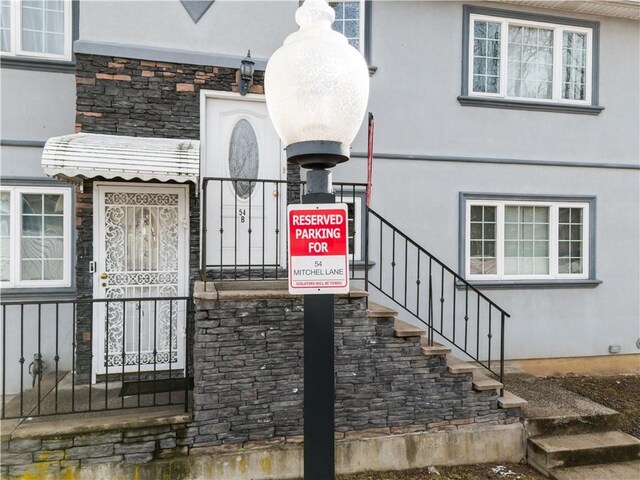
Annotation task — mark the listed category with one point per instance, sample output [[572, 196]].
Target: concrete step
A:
[[561, 451], [613, 471], [456, 365], [607, 420], [481, 382], [509, 400], [380, 311], [404, 329]]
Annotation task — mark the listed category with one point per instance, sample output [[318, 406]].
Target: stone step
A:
[[380, 311], [613, 471], [404, 329], [561, 451], [509, 400], [457, 365], [605, 421], [481, 382], [432, 350]]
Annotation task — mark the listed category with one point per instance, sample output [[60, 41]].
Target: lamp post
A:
[[316, 88]]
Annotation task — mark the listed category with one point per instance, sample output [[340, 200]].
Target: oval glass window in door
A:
[[243, 157]]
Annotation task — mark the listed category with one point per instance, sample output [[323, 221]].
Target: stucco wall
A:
[[229, 27], [414, 93], [546, 322]]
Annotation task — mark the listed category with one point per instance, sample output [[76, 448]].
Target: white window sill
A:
[[492, 102], [529, 284]]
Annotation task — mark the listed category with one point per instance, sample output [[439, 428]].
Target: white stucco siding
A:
[[229, 27], [421, 198], [418, 49]]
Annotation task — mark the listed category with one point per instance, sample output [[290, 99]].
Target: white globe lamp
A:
[[316, 88]]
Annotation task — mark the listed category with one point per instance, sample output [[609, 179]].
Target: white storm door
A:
[[141, 251], [243, 218]]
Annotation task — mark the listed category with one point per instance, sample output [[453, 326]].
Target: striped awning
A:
[[88, 155]]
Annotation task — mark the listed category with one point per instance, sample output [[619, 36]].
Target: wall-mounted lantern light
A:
[[246, 74]]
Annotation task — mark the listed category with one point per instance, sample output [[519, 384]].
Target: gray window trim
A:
[[466, 100], [38, 292], [361, 194], [368, 5], [462, 224]]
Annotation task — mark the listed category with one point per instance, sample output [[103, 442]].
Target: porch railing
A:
[[53, 363], [244, 234], [382, 257]]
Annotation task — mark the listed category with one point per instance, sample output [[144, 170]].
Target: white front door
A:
[[141, 251], [243, 218]]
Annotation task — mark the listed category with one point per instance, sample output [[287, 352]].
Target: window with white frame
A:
[[350, 21], [529, 60], [35, 28], [521, 240], [35, 237]]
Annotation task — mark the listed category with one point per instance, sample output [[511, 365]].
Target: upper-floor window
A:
[[350, 21], [36, 28], [529, 60], [35, 237]]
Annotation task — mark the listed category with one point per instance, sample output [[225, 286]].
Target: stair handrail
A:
[[460, 283]]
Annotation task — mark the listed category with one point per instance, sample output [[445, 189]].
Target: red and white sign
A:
[[318, 248]]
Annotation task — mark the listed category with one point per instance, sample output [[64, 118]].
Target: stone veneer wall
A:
[[61, 454], [248, 364], [136, 97], [248, 391]]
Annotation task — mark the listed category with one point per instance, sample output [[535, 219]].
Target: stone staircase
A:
[[480, 381], [583, 447], [572, 438], [578, 441]]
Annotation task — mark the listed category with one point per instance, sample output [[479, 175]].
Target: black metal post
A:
[[319, 387]]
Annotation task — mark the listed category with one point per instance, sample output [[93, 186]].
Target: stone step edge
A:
[[509, 400], [591, 441], [375, 310], [600, 422], [591, 449], [482, 383], [404, 329], [622, 470], [457, 365]]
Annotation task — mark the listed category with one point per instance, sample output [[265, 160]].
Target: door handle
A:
[[103, 276]]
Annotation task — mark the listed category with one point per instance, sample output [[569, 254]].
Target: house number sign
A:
[[318, 248]]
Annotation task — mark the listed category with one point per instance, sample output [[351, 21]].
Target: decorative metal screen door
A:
[[141, 251], [243, 218]]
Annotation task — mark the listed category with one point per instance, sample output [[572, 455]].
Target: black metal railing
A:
[[437, 296], [244, 234], [53, 363], [244, 237]]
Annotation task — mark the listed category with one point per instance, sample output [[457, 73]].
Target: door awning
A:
[[88, 155]]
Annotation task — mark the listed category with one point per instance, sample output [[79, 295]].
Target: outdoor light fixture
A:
[[246, 73], [317, 87]]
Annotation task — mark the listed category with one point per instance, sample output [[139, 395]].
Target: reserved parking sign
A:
[[318, 248]]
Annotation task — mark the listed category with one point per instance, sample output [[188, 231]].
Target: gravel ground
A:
[[505, 471]]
